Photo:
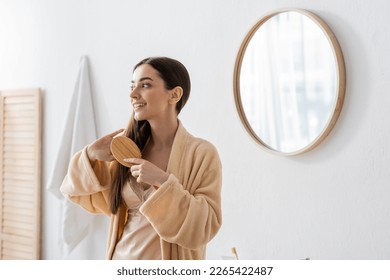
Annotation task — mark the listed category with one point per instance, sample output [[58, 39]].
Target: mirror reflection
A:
[[288, 82]]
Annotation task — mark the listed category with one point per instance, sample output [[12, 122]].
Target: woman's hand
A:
[[101, 148], [146, 172]]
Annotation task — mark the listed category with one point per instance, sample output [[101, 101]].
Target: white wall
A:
[[330, 203]]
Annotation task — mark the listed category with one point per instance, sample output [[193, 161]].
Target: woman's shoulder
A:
[[202, 144], [195, 142], [196, 150], [200, 147]]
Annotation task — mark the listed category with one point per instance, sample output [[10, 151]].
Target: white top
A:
[[139, 240]]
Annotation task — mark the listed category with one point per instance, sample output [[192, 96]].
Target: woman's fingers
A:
[[100, 149], [136, 167], [147, 172]]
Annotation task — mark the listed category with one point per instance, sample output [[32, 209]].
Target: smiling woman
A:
[[167, 204]]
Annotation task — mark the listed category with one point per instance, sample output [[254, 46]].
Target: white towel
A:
[[79, 130]]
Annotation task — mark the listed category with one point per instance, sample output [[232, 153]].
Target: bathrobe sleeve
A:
[[88, 184], [188, 212]]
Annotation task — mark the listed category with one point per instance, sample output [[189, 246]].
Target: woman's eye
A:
[[144, 85]]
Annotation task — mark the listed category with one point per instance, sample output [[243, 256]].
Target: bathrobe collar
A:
[[177, 152]]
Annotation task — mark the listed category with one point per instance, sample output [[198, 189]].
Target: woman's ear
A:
[[175, 95]]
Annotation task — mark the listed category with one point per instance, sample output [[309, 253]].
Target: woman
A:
[[168, 204]]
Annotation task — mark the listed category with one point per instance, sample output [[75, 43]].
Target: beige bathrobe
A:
[[185, 211]]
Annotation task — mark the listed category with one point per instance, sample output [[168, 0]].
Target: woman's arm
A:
[[88, 181], [88, 184], [191, 216]]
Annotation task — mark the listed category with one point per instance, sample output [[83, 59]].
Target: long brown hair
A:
[[173, 74]]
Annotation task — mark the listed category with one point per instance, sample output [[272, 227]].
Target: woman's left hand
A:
[[146, 172]]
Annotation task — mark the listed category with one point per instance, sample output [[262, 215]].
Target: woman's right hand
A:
[[101, 148]]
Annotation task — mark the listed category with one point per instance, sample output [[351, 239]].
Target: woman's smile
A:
[[138, 105]]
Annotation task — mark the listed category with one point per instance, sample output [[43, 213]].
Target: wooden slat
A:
[[19, 225], [22, 197], [18, 162], [16, 239], [20, 174], [19, 107], [19, 141], [18, 127], [17, 183], [19, 247], [16, 255], [19, 155], [19, 134], [18, 211], [15, 217], [18, 204], [17, 231], [19, 120], [15, 115], [18, 189], [22, 169], [18, 99]]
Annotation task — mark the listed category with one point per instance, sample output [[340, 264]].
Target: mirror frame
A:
[[340, 74]]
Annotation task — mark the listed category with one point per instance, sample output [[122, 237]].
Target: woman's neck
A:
[[163, 132]]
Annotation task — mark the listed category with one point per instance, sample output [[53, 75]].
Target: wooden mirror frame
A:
[[340, 74]]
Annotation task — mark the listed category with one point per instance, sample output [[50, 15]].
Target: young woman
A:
[[168, 204]]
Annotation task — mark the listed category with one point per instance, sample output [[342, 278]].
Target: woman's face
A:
[[149, 97]]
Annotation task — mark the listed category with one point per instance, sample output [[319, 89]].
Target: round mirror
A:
[[289, 81]]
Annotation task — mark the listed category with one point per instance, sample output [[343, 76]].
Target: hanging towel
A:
[[79, 130]]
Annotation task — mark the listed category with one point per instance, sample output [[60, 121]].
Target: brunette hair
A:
[[173, 74]]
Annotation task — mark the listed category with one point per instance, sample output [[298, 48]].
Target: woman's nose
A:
[[133, 93]]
